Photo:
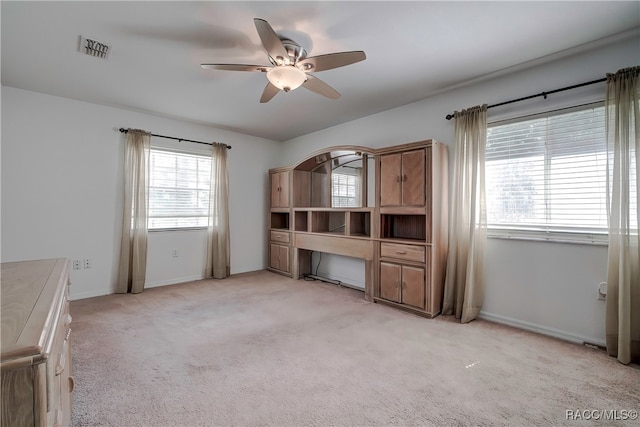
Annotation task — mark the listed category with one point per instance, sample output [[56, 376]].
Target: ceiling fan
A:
[[290, 65]]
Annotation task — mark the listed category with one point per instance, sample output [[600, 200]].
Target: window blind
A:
[[546, 175], [344, 190], [178, 190]]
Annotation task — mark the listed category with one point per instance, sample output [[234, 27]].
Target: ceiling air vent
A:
[[93, 47]]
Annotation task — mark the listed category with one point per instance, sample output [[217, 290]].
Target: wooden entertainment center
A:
[[394, 218]]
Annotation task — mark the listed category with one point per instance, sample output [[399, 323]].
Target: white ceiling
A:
[[414, 49]]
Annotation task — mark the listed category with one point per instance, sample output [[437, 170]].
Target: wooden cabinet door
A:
[[280, 190], [413, 286], [390, 278], [402, 179], [275, 190], [284, 189], [390, 176], [413, 178], [274, 256], [284, 258], [279, 257]]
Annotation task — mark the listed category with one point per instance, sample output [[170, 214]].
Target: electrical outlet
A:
[[174, 253], [76, 264], [87, 263], [602, 291]]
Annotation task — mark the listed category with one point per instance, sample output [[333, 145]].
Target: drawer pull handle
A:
[[61, 364], [72, 384], [401, 252]]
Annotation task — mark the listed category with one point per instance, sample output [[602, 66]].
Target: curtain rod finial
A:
[[449, 116]]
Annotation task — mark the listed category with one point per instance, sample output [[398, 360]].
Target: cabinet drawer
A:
[[280, 236], [401, 251]]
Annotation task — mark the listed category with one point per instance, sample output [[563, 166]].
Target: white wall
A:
[[62, 196], [548, 287]]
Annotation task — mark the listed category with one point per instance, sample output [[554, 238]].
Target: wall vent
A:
[[94, 48]]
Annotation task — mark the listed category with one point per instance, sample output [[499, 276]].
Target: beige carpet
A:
[[258, 349]]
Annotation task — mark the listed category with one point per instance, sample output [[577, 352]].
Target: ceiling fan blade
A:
[[316, 85], [332, 60], [271, 41], [236, 67], [269, 92]]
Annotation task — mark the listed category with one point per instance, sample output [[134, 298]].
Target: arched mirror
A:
[[339, 178]]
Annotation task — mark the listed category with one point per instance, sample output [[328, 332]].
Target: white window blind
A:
[[178, 190], [546, 176], [344, 190]]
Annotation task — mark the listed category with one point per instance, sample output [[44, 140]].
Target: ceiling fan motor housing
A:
[[294, 50]]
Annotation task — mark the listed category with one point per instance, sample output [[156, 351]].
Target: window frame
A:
[[546, 232], [176, 151]]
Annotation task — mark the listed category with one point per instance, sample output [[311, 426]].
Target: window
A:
[[178, 190], [546, 176], [344, 190]]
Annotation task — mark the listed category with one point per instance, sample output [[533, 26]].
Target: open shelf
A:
[[301, 221], [280, 220], [328, 222], [343, 222], [405, 227], [360, 224]]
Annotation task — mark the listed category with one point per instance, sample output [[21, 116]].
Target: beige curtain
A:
[[464, 287], [622, 107], [133, 246], [218, 248]]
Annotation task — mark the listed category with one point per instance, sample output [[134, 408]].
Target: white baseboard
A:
[[100, 293], [89, 294], [349, 282], [544, 330], [174, 281]]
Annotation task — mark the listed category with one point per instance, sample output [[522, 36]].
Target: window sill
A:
[[162, 230], [592, 239]]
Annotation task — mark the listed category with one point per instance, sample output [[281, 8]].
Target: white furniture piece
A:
[[35, 360]]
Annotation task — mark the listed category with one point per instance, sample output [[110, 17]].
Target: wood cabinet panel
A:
[[402, 179], [390, 184], [280, 189], [402, 284], [390, 279], [413, 286], [339, 245], [413, 178], [279, 257]]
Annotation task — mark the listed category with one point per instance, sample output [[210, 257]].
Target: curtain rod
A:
[[123, 130], [543, 94]]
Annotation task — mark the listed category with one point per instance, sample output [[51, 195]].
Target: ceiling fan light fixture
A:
[[286, 77]]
